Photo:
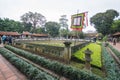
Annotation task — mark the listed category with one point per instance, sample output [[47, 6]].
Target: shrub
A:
[[32, 72], [110, 65], [64, 70]]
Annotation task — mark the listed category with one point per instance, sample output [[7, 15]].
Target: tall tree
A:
[[63, 22], [63, 33], [27, 27], [34, 18], [115, 26], [52, 28], [103, 21], [7, 24], [40, 30], [63, 26]]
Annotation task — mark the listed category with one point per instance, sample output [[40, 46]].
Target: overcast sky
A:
[[53, 9]]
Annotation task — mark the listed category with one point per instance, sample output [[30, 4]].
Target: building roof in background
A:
[[39, 35], [26, 33], [9, 33], [116, 34], [91, 34]]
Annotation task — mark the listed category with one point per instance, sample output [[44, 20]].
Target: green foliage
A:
[[103, 21], [34, 18], [40, 30], [115, 26], [52, 28], [77, 34], [63, 33], [29, 70], [27, 26], [105, 38], [96, 56], [10, 25], [110, 65], [64, 70]]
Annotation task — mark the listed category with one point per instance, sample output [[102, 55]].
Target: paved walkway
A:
[[8, 71], [117, 46], [1, 45]]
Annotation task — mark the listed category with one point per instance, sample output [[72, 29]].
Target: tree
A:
[[27, 27], [10, 25], [76, 34], [52, 28], [63, 26], [103, 21], [63, 22], [1, 24], [63, 32], [40, 30], [115, 26], [34, 18]]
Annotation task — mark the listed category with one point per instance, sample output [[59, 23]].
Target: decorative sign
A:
[[77, 21]]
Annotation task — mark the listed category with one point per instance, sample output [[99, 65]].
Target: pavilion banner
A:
[[85, 20], [77, 21]]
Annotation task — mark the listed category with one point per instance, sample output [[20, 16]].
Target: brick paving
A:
[[8, 71]]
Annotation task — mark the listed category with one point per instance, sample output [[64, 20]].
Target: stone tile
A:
[[12, 78], [1, 76], [5, 69], [9, 72]]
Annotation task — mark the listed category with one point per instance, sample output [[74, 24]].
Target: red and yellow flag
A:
[[77, 21]]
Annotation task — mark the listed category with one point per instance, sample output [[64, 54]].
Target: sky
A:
[[53, 9]]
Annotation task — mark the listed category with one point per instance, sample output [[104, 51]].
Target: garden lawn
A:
[[54, 43], [96, 56]]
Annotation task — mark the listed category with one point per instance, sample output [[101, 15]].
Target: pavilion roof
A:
[[116, 34], [26, 33], [9, 33], [39, 35]]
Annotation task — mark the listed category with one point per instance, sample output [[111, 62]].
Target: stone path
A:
[[8, 71], [117, 46]]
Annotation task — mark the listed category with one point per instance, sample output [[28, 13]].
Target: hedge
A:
[[59, 68], [111, 68], [32, 72]]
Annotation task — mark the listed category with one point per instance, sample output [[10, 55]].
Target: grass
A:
[[96, 55], [54, 43], [94, 70]]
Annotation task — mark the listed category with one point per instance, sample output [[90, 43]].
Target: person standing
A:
[[0, 39], [114, 41], [3, 39], [10, 40]]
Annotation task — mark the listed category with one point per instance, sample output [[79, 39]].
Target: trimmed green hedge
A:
[[58, 68], [26, 68], [110, 65]]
